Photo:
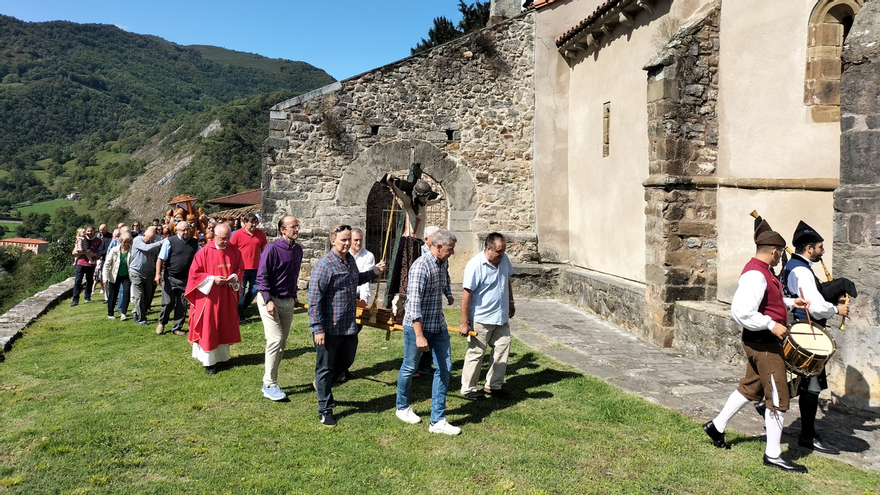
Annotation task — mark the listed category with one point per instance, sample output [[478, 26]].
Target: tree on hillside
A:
[[33, 226], [474, 16]]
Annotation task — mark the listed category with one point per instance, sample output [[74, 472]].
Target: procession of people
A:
[[213, 282]]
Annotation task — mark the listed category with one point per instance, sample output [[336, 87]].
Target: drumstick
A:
[[809, 321]]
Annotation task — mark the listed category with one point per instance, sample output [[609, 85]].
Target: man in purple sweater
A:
[[277, 283]]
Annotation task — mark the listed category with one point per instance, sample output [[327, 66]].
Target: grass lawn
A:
[[10, 229], [92, 405], [50, 207]]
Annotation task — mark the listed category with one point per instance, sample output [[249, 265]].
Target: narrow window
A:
[[374, 130], [450, 134], [606, 124]]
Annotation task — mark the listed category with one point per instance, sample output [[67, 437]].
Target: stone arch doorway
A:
[[451, 179], [830, 23]]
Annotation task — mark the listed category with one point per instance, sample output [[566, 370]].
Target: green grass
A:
[[10, 229], [50, 207], [98, 406], [105, 157]]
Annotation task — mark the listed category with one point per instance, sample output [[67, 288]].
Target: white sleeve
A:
[[747, 300], [802, 278], [205, 286]]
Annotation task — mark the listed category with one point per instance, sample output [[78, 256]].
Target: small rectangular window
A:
[[606, 124]]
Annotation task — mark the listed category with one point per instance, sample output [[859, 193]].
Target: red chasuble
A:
[[213, 318]]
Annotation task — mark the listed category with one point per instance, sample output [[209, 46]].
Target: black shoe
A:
[[716, 436], [88, 300], [74, 303], [785, 465], [498, 393], [425, 372], [210, 370], [327, 419], [343, 377], [241, 321], [818, 445], [761, 407], [475, 395]]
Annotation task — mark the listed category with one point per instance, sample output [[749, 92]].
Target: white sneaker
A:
[[408, 416], [123, 317], [443, 427]]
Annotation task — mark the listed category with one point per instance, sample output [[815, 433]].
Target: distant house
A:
[[36, 246], [75, 195], [238, 204]]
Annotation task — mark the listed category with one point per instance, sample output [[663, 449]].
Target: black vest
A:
[[182, 253], [797, 261]]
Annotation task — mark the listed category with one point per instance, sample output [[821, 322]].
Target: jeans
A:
[[248, 291], [83, 271], [114, 289], [337, 350], [439, 344]]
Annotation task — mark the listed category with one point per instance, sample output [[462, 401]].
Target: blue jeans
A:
[[88, 273], [439, 344], [248, 291]]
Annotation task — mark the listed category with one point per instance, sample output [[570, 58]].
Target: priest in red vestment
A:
[[212, 289]]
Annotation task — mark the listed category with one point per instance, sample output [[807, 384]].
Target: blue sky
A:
[[343, 37]]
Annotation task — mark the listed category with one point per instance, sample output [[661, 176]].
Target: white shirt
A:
[[747, 300], [365, 261], [803, 278]]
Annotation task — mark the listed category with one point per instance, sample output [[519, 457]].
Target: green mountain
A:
[[66, 89]]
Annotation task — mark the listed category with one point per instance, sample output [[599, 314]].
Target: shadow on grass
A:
[[519, 382], [260, 358]]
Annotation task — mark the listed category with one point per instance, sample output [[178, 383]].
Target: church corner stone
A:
[[680, 230]]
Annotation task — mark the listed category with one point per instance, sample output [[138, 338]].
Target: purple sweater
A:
[[279, 269]]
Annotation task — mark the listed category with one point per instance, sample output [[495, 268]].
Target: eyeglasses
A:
[[343, 227]]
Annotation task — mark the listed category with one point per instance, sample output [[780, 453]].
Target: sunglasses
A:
[[343, 227]]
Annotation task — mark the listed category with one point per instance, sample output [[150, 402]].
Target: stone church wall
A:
[[464, 110]]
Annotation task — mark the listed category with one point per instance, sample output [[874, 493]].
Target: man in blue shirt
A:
[[425, 330], [486, 307], [333, 284]]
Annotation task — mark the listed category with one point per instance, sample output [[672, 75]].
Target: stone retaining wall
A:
[[619, 301], [705, 328], [26, 312]]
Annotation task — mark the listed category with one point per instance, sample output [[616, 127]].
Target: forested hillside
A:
[[77, 99]]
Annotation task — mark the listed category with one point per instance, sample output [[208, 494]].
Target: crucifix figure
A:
[[415, 195]]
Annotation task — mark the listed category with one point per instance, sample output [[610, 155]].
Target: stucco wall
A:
[[767, 131], [735, 242], [605, 195], [465, 109]]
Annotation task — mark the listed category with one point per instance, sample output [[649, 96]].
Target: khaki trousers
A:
[[276, 328], [498, 338]]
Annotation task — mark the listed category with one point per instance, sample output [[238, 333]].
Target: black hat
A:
[[764, 235], [804, 234]]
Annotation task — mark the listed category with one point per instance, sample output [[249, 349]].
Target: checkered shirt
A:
[[333, 294], [424, 294]]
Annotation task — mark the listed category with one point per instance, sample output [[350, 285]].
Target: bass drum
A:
[[808, 348]]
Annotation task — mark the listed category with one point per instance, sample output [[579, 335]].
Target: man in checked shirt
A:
[[425, 330], [333, 296]]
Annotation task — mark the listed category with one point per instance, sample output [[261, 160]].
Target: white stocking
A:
[[735, 402], [773, 421]]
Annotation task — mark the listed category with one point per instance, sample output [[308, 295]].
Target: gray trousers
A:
[[143, 288], [173, 300]]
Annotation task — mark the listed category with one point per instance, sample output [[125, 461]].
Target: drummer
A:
[[800, 279], [758, 305]]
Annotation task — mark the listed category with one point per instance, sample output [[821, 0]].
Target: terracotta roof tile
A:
[[252, 197], [235, 212], [599, 12], [22, 240]]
